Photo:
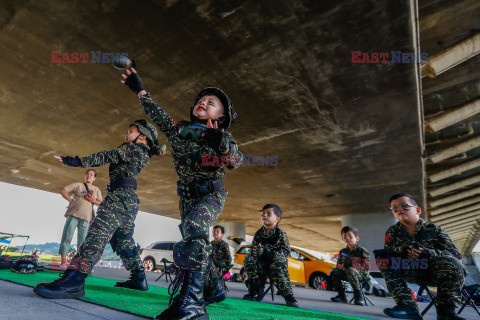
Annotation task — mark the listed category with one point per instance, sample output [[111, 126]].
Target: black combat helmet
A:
[[25, 264], [151, 133], [229, 113]]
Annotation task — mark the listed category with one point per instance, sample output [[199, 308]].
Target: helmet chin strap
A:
[[135, 141]]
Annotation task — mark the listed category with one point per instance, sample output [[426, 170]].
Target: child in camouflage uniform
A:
[[221, 260], [270, 251], [428, 256], [221, 257], [115, 217], [352, 265], [200, 187]]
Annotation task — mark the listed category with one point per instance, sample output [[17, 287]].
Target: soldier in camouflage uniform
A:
[[352, 265], [419, 252], [200, 187], [269, 255], [115, 217]]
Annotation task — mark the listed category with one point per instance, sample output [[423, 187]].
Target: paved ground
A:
[[19, 302]]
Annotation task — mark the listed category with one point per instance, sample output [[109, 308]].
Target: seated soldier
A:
[[420, 252], [352, 265], [270, 250]]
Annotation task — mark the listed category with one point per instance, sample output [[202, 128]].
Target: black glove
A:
[[426, 253], [217, 139], [72, 162], [134, 82]]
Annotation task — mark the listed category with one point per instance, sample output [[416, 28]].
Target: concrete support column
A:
[[371, 228]]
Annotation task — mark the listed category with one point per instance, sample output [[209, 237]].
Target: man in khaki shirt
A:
[[79, 212]]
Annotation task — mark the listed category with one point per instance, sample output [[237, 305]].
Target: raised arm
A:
[[153, 110], [97, 159]]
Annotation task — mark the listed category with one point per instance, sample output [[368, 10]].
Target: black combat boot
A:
[[341, 297], [137, 280], [403, 312], [213, 292], [70, 285], [358, 298], [253, 286], [447, 312], [188, 304], [290, 301]]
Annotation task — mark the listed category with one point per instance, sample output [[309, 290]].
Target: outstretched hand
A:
[[133, 81], [69, 161]]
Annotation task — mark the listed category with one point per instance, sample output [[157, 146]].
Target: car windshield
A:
[[309, 254]]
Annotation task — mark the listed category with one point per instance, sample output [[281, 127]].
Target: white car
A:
[[153, 254]]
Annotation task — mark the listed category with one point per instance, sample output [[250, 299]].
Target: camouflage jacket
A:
[[126, 161], [187, 153], [427, 235], [274, 244], [221, 253], [358, 258]]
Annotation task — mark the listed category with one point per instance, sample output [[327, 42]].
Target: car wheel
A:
[[319, 282], [149, 264]]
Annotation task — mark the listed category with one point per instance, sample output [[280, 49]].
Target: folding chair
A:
[[432, 296], [270, 288], [469, 297], [168, 270], [364, 283]]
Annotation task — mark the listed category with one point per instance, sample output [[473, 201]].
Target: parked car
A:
[[304, 268], [153, 254]]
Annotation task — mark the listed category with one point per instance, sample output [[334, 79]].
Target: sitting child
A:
[[270, 250], [221, 251], [420, 252], [352, 266]]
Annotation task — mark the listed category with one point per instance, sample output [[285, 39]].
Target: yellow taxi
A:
[[304, 268]]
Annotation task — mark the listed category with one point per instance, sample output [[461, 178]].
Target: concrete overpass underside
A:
[[347, 135]]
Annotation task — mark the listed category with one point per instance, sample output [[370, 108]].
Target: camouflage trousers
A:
[[278, 268], [197, 216], [447, 273], [114, 223], [353, 276]]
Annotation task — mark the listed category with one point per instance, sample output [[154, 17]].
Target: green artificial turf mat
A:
[[101, 291]]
